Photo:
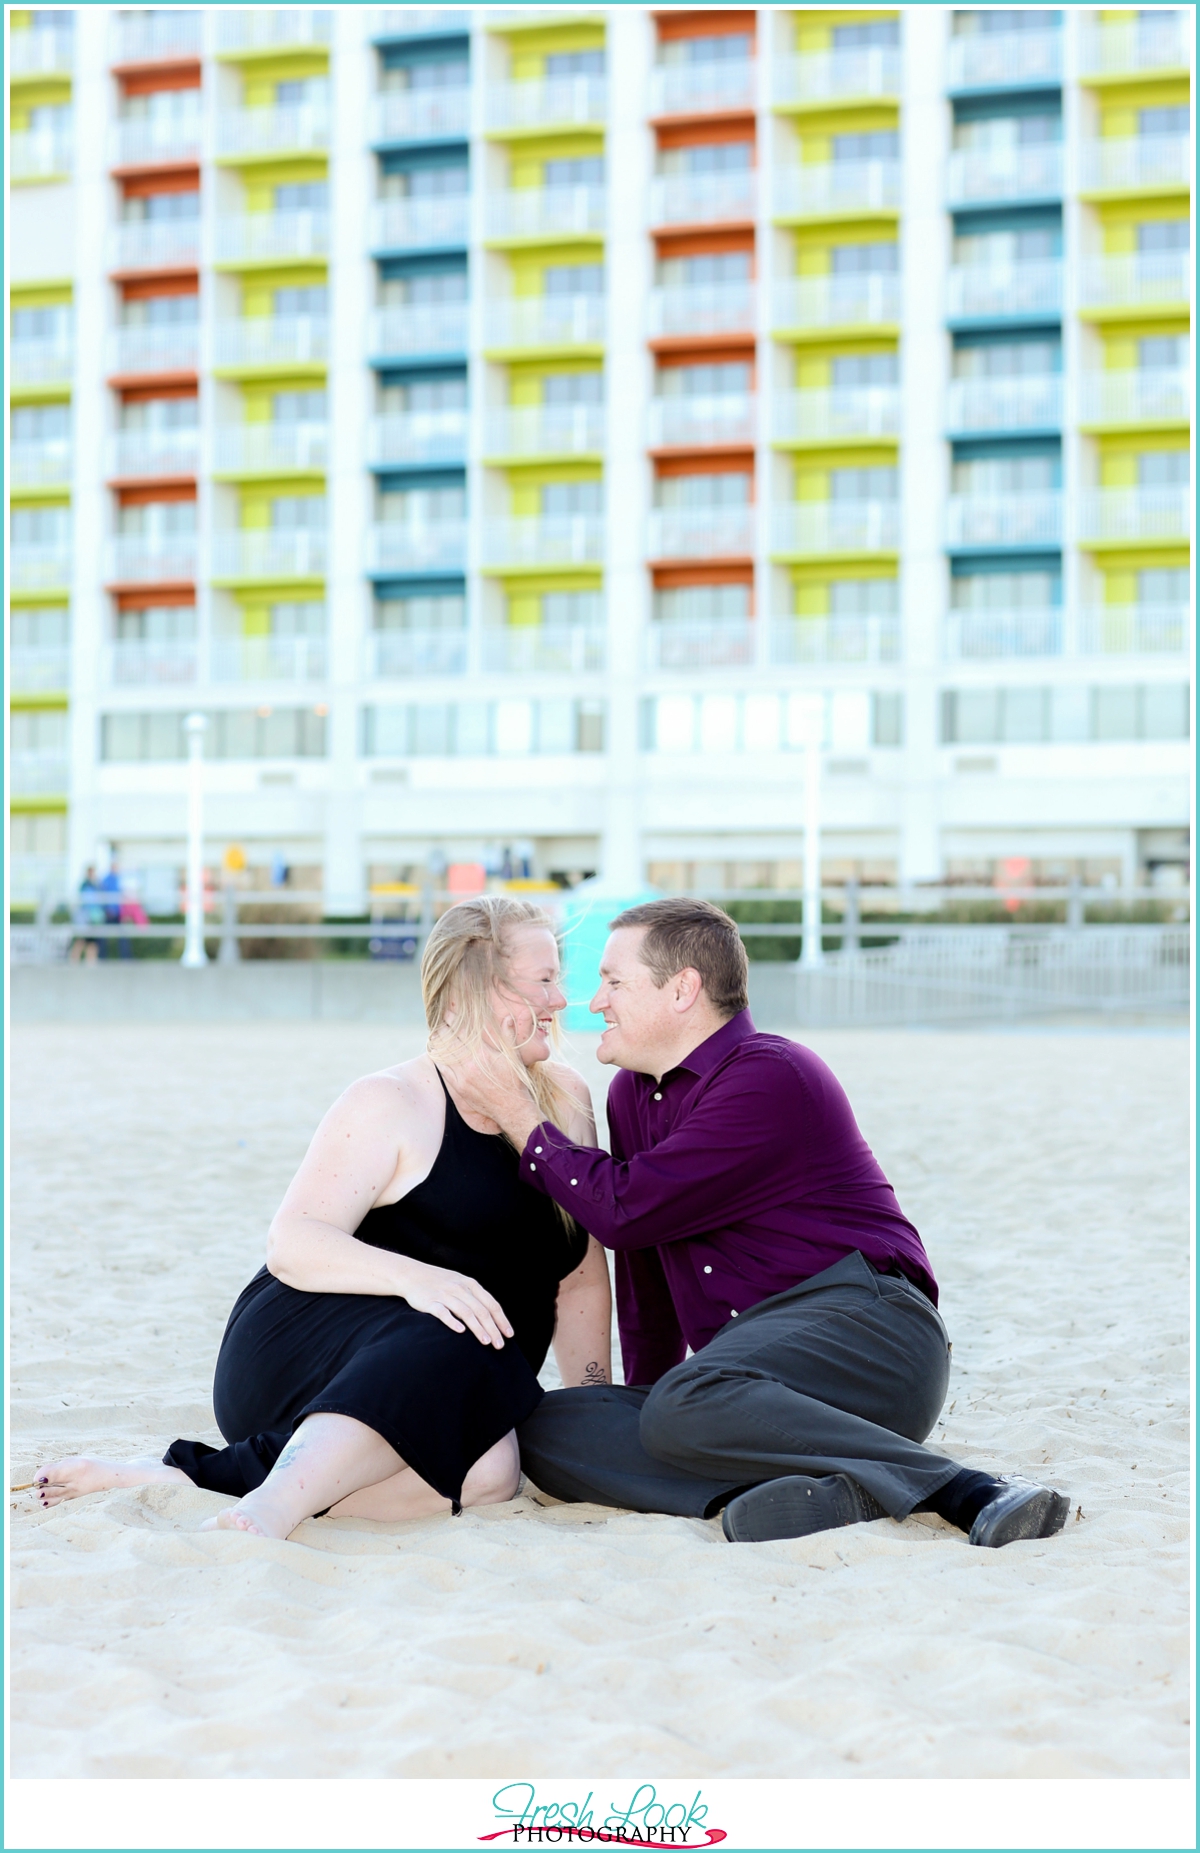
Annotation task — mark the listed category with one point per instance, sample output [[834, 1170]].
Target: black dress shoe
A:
[[796, 1507], [1022, 1510]]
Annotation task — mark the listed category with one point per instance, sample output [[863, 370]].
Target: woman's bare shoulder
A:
[[408, 1084], [571, 1081]]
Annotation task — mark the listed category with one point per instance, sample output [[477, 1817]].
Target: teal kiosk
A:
[[586, 912]]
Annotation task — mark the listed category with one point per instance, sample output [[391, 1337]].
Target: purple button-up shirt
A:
[[739, 1174]]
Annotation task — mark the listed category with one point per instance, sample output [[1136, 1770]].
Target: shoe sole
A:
[[1041, 1515], [797, 1507]]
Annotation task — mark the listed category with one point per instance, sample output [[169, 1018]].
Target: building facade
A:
[[503, 424]]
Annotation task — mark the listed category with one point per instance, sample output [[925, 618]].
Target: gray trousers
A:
[[845, 1373]]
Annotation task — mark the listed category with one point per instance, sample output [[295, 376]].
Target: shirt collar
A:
[[705, 1056]]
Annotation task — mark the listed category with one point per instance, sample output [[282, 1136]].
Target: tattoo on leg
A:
[[595, 1372]]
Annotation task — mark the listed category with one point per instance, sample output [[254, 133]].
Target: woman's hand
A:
[[455, 1299]]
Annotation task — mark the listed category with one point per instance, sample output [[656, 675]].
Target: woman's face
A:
[[531, 997]]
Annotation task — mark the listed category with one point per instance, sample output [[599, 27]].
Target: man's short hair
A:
[[682, 934]]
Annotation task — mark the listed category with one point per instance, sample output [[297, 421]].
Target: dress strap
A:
[[441, 1077]]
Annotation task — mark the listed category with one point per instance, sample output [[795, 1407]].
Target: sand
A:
[[1048, 1174]]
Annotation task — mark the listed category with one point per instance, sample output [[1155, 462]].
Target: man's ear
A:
[[688, 986]]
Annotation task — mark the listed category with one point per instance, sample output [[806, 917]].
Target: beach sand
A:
[[1048, 1175]]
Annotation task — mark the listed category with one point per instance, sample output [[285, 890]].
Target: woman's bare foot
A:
[[83, 1473], [258, 1514]]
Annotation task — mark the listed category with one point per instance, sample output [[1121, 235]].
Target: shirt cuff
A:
[[550, 1160]]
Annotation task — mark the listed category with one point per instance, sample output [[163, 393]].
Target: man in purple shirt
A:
[[753, 1229]]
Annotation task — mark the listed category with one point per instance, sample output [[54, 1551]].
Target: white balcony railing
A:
[[843, 412], [402, 22], [1004, 520], [271, 340], [261, 237], [545, 540], [1018, 403], [39, 154], [35, 877], [419, 437], [148, 662], [871, 638], [702, 309], [1005, 289], [397, 224], [532, 212], [415, 653], [835, 527], [1116, 47], [39, 670], [544, 430], [1136, 514], [270, 553], [153, 140], [996, 59], [550, 102], [1031, 172], [155, 244], [260, 29], [1106, 630], [268, 659], [412, 546], [153, 348], [161, 35], [147, 559], [150, 454], [986, 636], [701, 533], [539, 321], [544, 649], [872, 71], [1135, 630], [41, 52], [1136, 162], [1144, 277], [291, 128], [39, 463], [40, 569], [270, 449], [41, 363], [1136, 398], [710, 84], [836, 187], [38, 775], [702, 418], [672, 645], [703, 199], [418, 328], [837, 302], [419, 115]]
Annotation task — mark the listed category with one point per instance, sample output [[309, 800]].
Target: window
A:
[[233, 733], [1005, 475], [863, 598], [509, 728], [864, 260], [580, 498], [573, 388], [302, 196], [1037, 244], [52, 323], [304, 618], [292, 514], [575, 63], [863, 38], [1004, 20], [707, 158], [703, 604], [182, 414], [849, 370], [156, 624], [887, 719], [443, 611], [1173, 119], [706, 380], [416, 507], [1164, 469], [720, 489], [879, 483], [293, 91], [573, 280], [437, 74], [161, 311], [1036, 716], [872, 145], [1161, 585], [1037, 591], [568, 610], [706, 269], [720, 48], [1161, 352], [38, 730], [40, 424], [1003, 360], [46, 629], [40, 527], [158, 520], [161, 207], [583, 171], [1164, 235], [1003, 134], [300, 408], [430, 286], [436, 395], [301, 300]]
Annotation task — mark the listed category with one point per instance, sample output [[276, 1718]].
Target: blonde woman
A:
[[379, 1363]]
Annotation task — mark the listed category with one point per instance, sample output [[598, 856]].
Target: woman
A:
[[379, 1364]]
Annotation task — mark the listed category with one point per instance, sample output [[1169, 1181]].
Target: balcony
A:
[[157, 141], [38, 775], [1141, 279], [39, 52], [835, 527], [293, 128], [40, 569], [988, 636], [1003, 60], [1156, 396], [703, 199], [701, 533], [257, 29], [1005, 289], [155, 244], [270, 449], [1021, 403], [1135, 630], [265, 237], [872, 638], [151, 559], [420, 115], [702, 419], [844, 412], [272, 341], [404, 22], [873, 71], [39, 670], [154, 349], [147, 662], [703, 309], [1004, 520], [163, 36], [976, 175], [1136, 163], [418, 437], [41, 363], [679, 645], [544, 649], [418, 328], [545, 321], [545, 540], [36, 878], [831, 188], [270, 553], [393, 654], [41, 463], [417, 546], [552, 102], [1117, 47], [39, 154], [400, 224], [540, 212], [268, 659], [545, 430], [696, 89], [1136, 515], [838, 302]]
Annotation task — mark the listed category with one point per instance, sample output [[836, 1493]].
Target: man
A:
[[751, 1224]]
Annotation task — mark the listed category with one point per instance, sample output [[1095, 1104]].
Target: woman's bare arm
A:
[[583, 1315]]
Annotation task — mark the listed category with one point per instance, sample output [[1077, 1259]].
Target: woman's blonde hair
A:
[[467, 955]]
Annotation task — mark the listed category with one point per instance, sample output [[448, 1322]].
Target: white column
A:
[[193, 946], [1074, 127]]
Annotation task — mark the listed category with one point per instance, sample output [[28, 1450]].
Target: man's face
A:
[[639, 1017]]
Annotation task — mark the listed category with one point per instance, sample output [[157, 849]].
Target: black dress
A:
[[440, 1398]]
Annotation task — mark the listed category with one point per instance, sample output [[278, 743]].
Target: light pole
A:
[[808, 723], [193, 944]]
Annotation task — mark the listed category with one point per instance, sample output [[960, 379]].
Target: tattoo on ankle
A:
[[595, 1372]]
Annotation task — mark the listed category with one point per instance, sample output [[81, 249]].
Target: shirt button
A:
[[533, 1167], [708, 1270], [733, 1312], [574, 1181], [658, 1096], [538, 1150]]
